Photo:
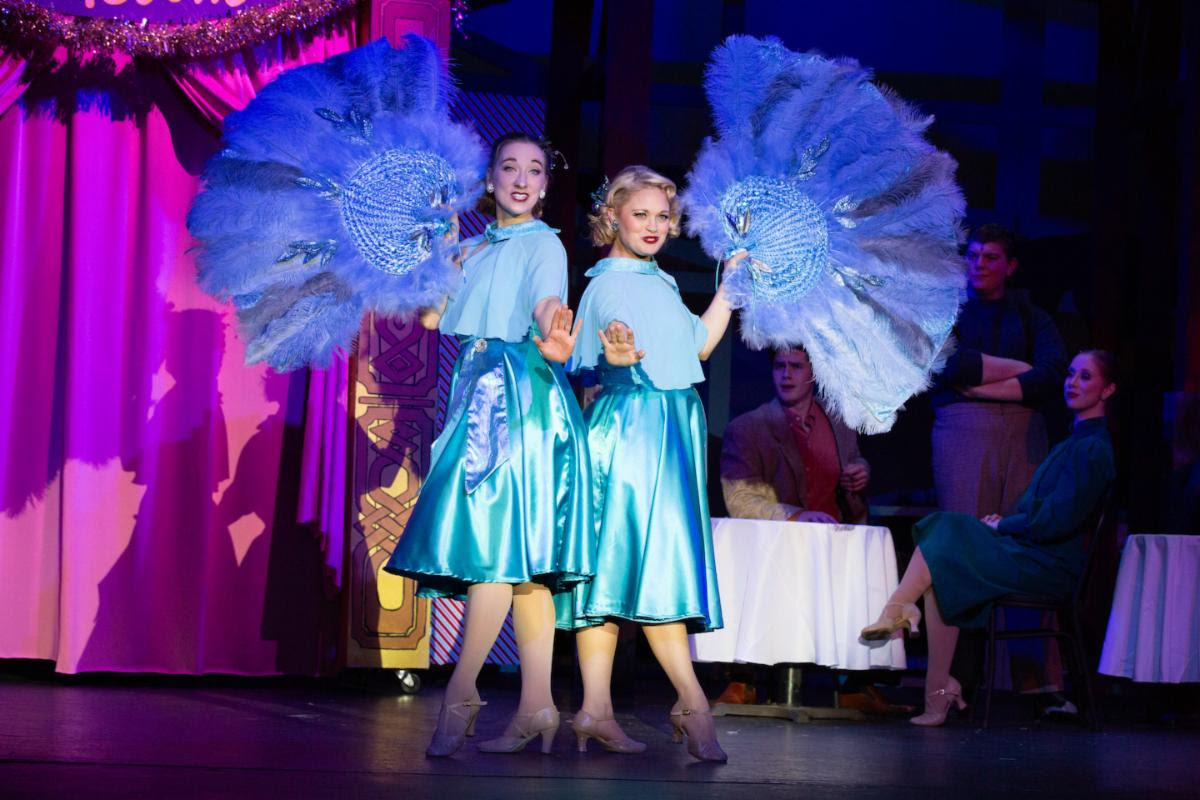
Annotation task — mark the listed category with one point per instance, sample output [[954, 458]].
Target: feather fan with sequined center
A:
[[850, 217], [333, 197]]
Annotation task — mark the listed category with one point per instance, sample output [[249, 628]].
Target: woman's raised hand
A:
[[734, 263], [560, 339], [619, 348]]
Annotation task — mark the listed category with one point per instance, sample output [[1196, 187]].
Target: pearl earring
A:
[[542, 194], [490, 188]]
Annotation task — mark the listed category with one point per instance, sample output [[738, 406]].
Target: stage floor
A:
[[122, 738]]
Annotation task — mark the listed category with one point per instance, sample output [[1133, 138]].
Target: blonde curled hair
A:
[[630, 180]]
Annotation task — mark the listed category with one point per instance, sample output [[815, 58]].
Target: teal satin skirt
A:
[[507, 497], [655, 561]]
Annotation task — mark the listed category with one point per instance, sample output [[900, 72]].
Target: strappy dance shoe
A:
[[605, 731], [895, 616], [937, 704], [455, 722], [525, 727], [701, 733]]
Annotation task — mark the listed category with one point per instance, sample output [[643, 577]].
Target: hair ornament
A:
[[600, 196]]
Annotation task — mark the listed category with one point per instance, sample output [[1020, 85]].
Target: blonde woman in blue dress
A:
[[647, 435], [503, 518]]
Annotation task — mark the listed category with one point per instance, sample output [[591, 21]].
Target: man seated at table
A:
[[790, 460]]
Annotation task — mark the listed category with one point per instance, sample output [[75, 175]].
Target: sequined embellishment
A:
[[783, 230], [391, 206]]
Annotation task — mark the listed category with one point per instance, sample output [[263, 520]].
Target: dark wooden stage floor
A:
[[146, 738]]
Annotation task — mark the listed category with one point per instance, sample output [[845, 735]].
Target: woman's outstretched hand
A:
[[560, 339], [991, 520], [619, 348]]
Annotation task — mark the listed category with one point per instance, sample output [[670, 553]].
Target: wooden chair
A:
[[1068, 628]]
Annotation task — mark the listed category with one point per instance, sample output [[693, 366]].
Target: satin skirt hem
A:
[[696, 622], [455, 586], [655, 561]]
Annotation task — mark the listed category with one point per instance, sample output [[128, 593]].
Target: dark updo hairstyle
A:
[[1107, 364], [487, 201]]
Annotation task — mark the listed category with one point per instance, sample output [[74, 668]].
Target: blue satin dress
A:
[[507, 497], [648, 436]]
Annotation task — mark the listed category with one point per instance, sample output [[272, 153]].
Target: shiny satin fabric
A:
[[507, 496], [655, 559]]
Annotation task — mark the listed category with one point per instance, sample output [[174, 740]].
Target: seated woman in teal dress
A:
[[962, 564], [504, 516], [647, 436]]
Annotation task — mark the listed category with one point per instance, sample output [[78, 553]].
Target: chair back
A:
[[1091, 530]]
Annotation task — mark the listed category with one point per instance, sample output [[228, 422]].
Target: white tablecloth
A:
[[800, 592], [1154, 628]]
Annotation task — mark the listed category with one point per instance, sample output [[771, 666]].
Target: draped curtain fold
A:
[[11, 87], [155, 490]]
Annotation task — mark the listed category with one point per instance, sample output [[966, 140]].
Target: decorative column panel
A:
[[394, 390]]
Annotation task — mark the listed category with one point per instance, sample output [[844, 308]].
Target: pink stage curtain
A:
[[11, 87], [216, 87], [153, 486]]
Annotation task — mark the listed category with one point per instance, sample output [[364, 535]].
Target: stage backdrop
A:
[[154, 491]]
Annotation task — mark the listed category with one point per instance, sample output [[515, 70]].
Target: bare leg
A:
[[487, 606], [915, 582], [670, 646], [941, 690], [533, 623], [943, 639], [597, 648], [690, 713]]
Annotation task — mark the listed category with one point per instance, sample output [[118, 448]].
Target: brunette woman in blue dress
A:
[[504, 515]]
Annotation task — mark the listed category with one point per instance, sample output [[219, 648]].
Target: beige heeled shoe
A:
[[937, 704], [701, 733], [455, 722], [895, 616], [605, 731], [524, 728]]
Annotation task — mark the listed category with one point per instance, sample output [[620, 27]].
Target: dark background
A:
[[1073, 123]]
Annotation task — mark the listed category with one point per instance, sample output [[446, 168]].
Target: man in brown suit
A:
[[790, 460]]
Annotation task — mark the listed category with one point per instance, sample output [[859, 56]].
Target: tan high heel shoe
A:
[[937, 704], [895, 616], [701, 732], [605, 731], [455, 722], [524, 729]]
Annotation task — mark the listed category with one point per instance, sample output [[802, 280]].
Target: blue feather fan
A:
[[334, 197], [850, 218]]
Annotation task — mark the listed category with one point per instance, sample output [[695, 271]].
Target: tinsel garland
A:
[[27, 29]]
